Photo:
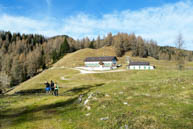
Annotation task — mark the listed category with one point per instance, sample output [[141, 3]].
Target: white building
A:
[[101, 63], [140, 66]]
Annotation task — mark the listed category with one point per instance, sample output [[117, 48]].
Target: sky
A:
[[159, 20]]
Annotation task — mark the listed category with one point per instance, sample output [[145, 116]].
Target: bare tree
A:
[[4, 81], [179, 51]]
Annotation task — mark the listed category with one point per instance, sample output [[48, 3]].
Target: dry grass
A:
[[161, 98], [76, 58]]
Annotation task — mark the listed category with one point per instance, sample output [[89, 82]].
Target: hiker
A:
[[56, 89], [47, 87], [52, 87]]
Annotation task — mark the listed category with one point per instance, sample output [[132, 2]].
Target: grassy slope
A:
[[162, 98], [76, 58]]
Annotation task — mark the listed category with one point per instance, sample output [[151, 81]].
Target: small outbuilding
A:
[[108, 62], [140, 66]]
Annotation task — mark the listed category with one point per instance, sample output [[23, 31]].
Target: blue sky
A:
[[62, 8], [160, 20]]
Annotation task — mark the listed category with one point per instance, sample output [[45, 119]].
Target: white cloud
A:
[[161, 24], [49, 2], [26, 25]]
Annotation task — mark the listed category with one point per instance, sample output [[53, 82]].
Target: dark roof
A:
[[138, 63], [102, 58]]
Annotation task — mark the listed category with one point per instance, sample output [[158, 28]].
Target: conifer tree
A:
[[64, 48], [91, 44], [54, 56]]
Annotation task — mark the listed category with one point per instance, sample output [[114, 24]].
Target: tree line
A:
[[123, 42], [23, 56]]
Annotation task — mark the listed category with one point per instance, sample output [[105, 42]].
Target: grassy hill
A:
[[162, 98], [77, 58]]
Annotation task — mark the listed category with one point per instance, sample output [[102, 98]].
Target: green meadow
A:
[[130, 99]]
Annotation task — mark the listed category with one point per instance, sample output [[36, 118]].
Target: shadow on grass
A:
[[25, 113], [16, 116], [37, 109], [30, 91], [81, 89]]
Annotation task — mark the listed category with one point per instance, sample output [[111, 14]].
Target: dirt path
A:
[[83, 71]]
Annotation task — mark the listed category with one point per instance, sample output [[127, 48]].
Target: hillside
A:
[[25, 55], [77, 58], [156, 99], [63, 68]]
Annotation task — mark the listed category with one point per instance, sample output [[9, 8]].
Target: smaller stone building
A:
[[140, 66]]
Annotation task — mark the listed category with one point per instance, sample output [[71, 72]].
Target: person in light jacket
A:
[[56, 88]]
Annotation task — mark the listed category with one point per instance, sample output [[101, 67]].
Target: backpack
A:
[[56, 86]]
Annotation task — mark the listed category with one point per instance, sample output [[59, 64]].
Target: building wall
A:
[[96, 64], [98, 68], [141, 67]]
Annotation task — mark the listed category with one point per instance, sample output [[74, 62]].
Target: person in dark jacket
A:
[[47, 87], [52, 87]]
